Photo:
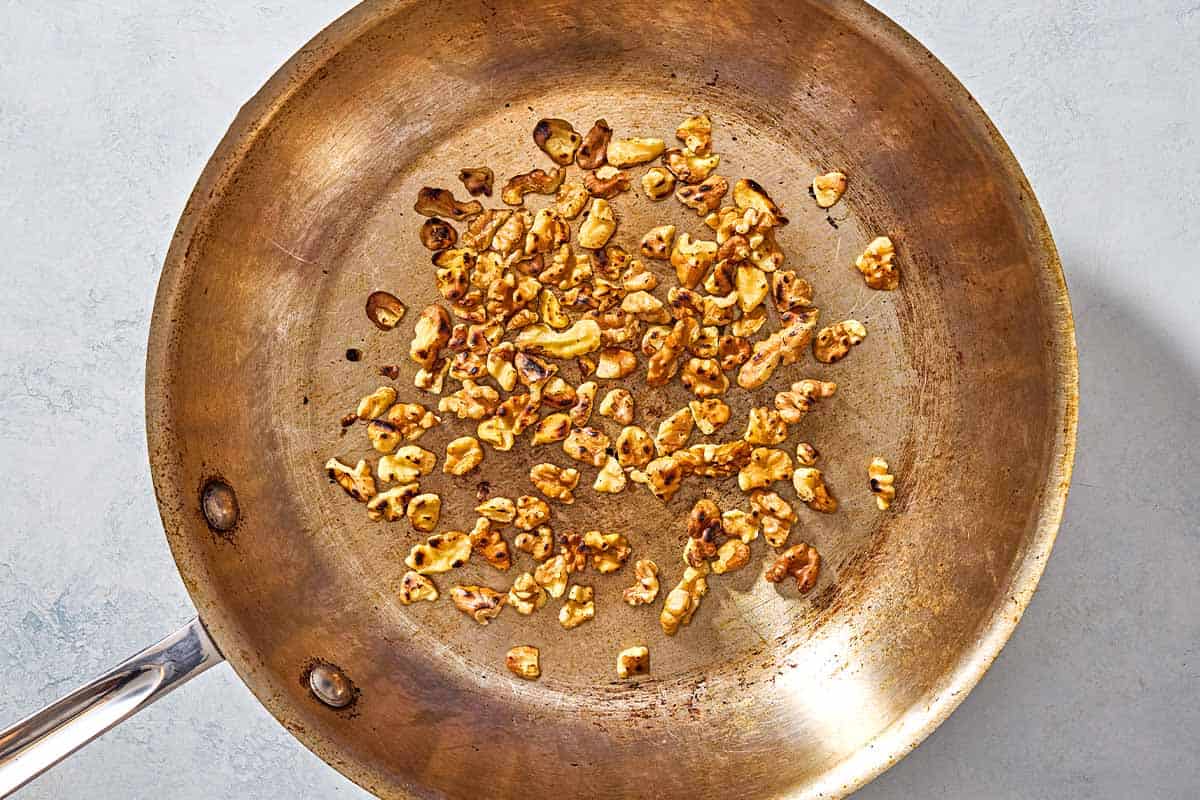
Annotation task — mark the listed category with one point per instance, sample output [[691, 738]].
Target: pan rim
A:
[[893, 743]]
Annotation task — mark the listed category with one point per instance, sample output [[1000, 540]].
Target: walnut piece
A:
[[811, 489], [795, 403], [430, 336], [594, 149], [740, 524], [684, 599], [704, 378], [714, 460], [580, 339], [709, 414], [539, 544], [664, 363], [477, 180], [657, 242], [433, 202], [628, 152], [827, 189], [692, 259], [658, 183], [882, 483], [704, 529], [531, 512], [551, 310], [765, 426], [501, 367], [784, 346], [526, 596], [615, 363], [633, 661], [536, 181], [555, 482], [524, 661], [384, 310], [663, 476], [424, 511], [732, 555], [877, 265], [410, 420], [478, 602], [634, 446], [498, 509], [597, 226], [406, 464], [552, 575], [703, 197], [673, 432], [511, 234], [557, 139], [766, 466], [437, 234], [806, 454], [706, 342], [693, 168], [392, 504], [696, 134], [587, 445], [617, 405], [376, 403], [489, 543], [834, 342], [358, 482], [415, 587], [579, 607], [645, 590], [732, 351], [752, 288], [800, 561], [383, 435], [789, 291], [473, 401], [775, 516], [571, 199], [749, 323], [747, 194], [585, 396], [440, 553], [611, 478], [551, 428], [606, 182], [462, 455]]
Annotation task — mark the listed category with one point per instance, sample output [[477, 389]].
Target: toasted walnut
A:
[[406, 464], [684, 599], [877, 265], [706, 342], [765, 426], [615, 363], [806, 454], [424, 510], [581, 338], [536, 181], [789, 291], [575, 552], [585, 395], [734, 250], [704, 378], [663, 476], [410, 420], [766, 466], [748, 194], [358, 482], [501, 367], [437, 234], [720, 281], [533, 371], [882, 483], [557, 139], [634, 447], [555, 482], [618, 405], [391, 504], [467, 366], [441, 203], [489, 543], [628, 152], [462, 455], [524, 660], [579, 607], [441, 553], [552, 575], [526, 596], [511, 418], [653, 339], [673, 432], [720, 310], [664, 363], [709, 414], [785, 345], [611, 478], [834, 341], [431, 334], [633, 661], [598, 225], [692, 259], [749, 323], [658, 183], [704, 529], [645, 590], [732, 221], [531, 512], [375, 404], [472, 401], [703, 197], [478, 602], [415, 587], [384, 310], [751, 283], [696, 133], [548, 232], [645, 305], [610, 551], [732, 351], [636, 278], [510, 236], [740, 525], [481, 230], [692, 168], [592, 151], [732, 555], [587, 445], [800, 561], [477, 180], [606, 182], [828, 188], [714, 460], [498, 509], [552, 428], [539, 544], [795, 403], [775, 516], [551, 311]]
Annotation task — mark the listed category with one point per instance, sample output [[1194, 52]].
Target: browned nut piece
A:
[[748, 194], [592, 152], [532, 512], [714, 460], [580, 339], [684, 599], [785, 345], [571, 199], [657, 242], [610, 551], [441, 203], [615, 363], [501, 367], [587, 445], [696, 134], [751, 283], [452, 278], [375, 404], [709, 414], [431, 334], [618, 405], [766, 467], [704, 529], [801, 562], [732, 351], [441, 553], [536, 181], [533, 371], [663, 476], [411, 420], [510, 236], [795, 403], [478, 602], [749, 323], [720, 280], [415, 587], [810, 488], [477, 180], [704, 378], [462, 455], [806, 454], [548, 232], [557, 139], [524, 661], [765, 426], [663, 365], [653, 339], [598, 225], [467, 366], [579, 607], [552, 575], [606, 182], [789, 291], [473, 401], [732, 555], [703, 197], [827, 189], [555, 482], [551, 311], [635, 448], [611, 478], [692, 259], [383, 435], [834, 342], [692, 168], [740, 525], [645, 306], [384, 310], [673, 432], [498, 509], [877, 265], [358, 482], [406, 464], [539, 544], [657, 183], [882, 483], [628, 152], [705, 343], [552, 428], [585, 396], [633, 661], [645, 590], [775, 515], [437, 234], [489, 543], [526, 596], [423, 511]]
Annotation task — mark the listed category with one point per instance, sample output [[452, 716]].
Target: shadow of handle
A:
[[41, 740]]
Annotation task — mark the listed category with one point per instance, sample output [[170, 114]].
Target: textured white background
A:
[[108, 112]]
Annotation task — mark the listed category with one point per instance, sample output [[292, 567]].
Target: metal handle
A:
[[44, 738]]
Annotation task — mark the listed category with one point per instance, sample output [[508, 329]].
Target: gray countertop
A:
[[108, 112]]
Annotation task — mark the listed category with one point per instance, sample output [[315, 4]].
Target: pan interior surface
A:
[[965, 383]]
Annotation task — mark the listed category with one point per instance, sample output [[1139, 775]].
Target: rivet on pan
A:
[[331, 686], [220, 505]]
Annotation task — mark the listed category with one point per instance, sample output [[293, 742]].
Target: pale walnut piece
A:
[[799, 561], [645, 590], [384, 310], [673, 432], [684, 599], [462, 455], [827, 189], [703, 197], [430, 336], [617, 405], [877, 265], [433, 202], [441, 553], [696, 134], [752, 288], [749, 323], [473, 401], [789, 291], [375, 404], [709, 414], [882, 483], [550, 310], [357, 481], [615, 363], [784, 346], [423, 511], [526, 596], [834, 342], [557, 139], [555, 482], [635, 447], [692, 259], [410, 420], [812, 491], [611, 478], [571, 199], [658, 183], [477, 180], [628, 152], [593, 151], [552, 575], [748, 194], [691, 167], [740, 524], [548, 232], [498, 509], [663, 476], [732, 555], [704, 378], [415, 588], [539, 544], [587, 445], [392, 504], [511, 234], [531, 512], [633, 661], [795, 403], [775, 516], [765, 426], [714, 460], [580, 339], [579, 607], [610, 551], [766, 466], [657, 242], [806, 454], [597, 226], [524, 661], [478, 602]]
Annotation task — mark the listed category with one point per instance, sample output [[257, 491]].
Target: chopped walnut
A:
[[477, 180], [653, 339], [441, 553], [703, 197], [646, 306], [740, 525], [488, 542], [376, 403], [391, 505], [663, 365], [795, 403], [748, 194], [501, 367], [462, 455], [557, 393], [789, 291], [732, 351], [628, 152], [765, 426], [751, 283], [766, 466], [526, 596], [657, 183], [706, 342], [692, 259], [811, 489], [598, 225], [431, 334], [775, 516], [548, 232], [441, 203], [704, 529], [618, 405], [510, 236], [615, 363], [657, 242], [555, 482], [579, 607], [611, 478], [785, 346], [731, 221], [415, 587], [834, 342], [645, 590], [720, 281], [610, 551], [571, 199], [431, 380], [606, 182], [531, 512], [539, 543], [877, 265], [552, 575], [557, 139], [581, 338], [800, 561], [720, 310], [587, 445], [663, 476], [696, 133], [478, 602], [473, 401], [383, 435], [806, 454], [749, 323], [358, 482], [704, 378], [551, 311], [828, 188], [536, 181], [552, 428], [481, 230], [684, 599], [732, 555], [384, 310], [714, 460], [467, 366], [633, 661], [634, 446], [693, 168], [882, 483], [498, 509], [423, 511], [593, 151], [673, 432], [437, 234], [709, 414], [406, 464], [585, 396], [524, 661], [636, 278]]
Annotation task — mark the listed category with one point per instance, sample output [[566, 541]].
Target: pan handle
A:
[[41, 740]]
